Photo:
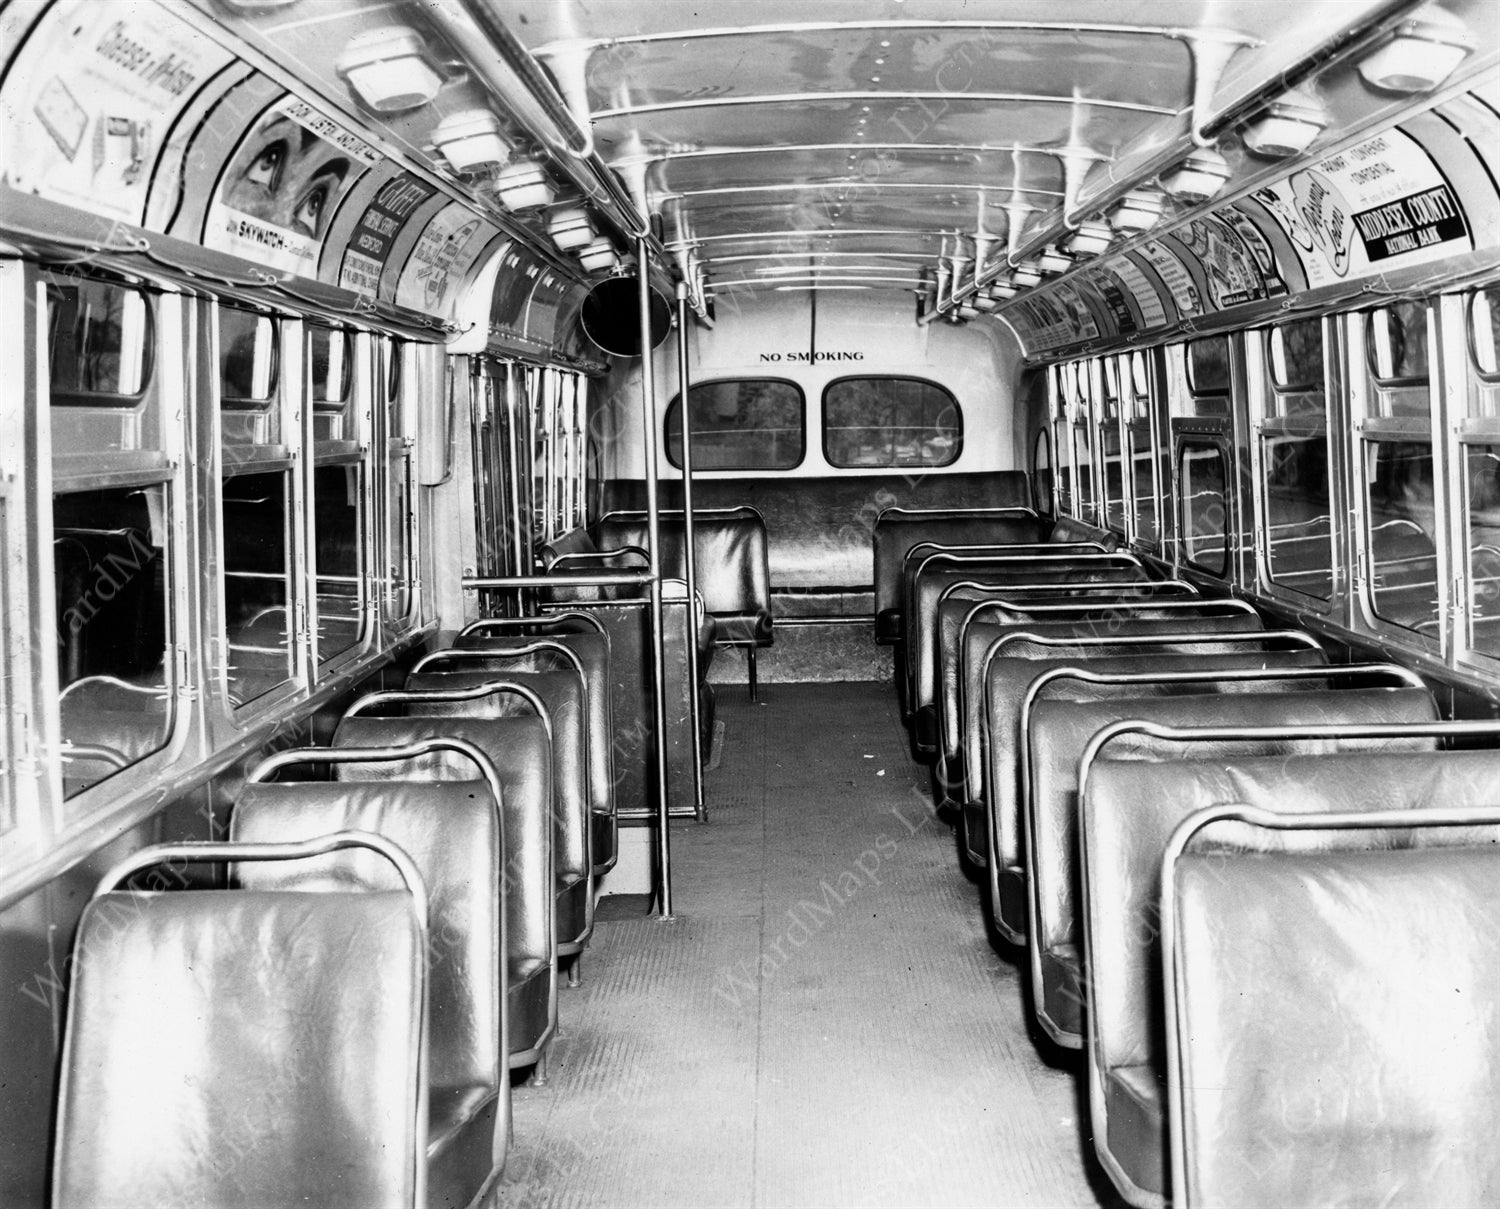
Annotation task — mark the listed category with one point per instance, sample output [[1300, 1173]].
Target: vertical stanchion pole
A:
[[653, 549], [689, 549]]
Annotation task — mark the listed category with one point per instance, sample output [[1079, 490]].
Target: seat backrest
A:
[[235, 1047], [731, 566], [560, 691], [1053, 744], [896, 533], [994, 679], [452, 834], [592, 648], [1139, 789], [940, 570], [1091, 617], [522, 756], [1341, 1007]]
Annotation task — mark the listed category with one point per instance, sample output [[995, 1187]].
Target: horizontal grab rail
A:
[[603, 579]]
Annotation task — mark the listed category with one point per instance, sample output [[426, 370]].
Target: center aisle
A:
[[824, 1024]]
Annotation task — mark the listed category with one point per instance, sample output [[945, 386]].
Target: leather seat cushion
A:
[[1359, 1065], [265, 1026]]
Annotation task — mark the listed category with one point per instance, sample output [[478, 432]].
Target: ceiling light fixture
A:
[[597, 254], [570, 228], [389, 70], [524, 185], [1287, 126], [1026, 274], [470, 141], [1137, 211], [1092, 238], [1051, 261], [1422, 52], [1199, 177]]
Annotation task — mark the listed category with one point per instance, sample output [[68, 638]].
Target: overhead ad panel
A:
[[1379, 205], [92, 97], [280, 188]]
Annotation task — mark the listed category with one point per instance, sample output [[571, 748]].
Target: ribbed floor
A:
[[824, 1023]]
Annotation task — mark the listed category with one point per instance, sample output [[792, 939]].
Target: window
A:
[[1397, 462], [400, 517], [1110, 447], [1292, 437], [1205, 505], [112, 507], [1208, 376], [338, 491], [1041, 474], [257, 582], [1076, 401], [741, 424], [113, 605], [1479, 441], [99, 341], [896, 422], [1147, 473], [256, 500], [1061, 443]]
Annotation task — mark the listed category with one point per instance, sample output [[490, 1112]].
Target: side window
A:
[[112, 513], [1041, 473], [1111, 446], [1398, 472], [741, 424], [1148, 471], [890, 422], [257, 503], [395, 385], [1079, 404], [339, 514], [1205, 505], [1059, 377], [1208, 376], [1479, 439], [1292, 444]]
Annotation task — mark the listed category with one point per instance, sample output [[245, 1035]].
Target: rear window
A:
[[889, 422], [741, 424]]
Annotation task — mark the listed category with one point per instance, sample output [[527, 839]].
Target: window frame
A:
[[918, 467], [1370, 427], [284, 457], [1142, 412], [1476, 423], [353, 449], [1269, 421], [63, 821], [676, 402], [1182, 443]]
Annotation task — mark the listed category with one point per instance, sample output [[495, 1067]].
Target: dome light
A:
[[1026, 274], [1139, 210], [597, 254], [983, 302], [1052, 262], [1422, 53], [470, 141], [1091, 239], [388, 69], [570, 228], [524, 185], [1288, 125], [1002, 290], [1199, 177]]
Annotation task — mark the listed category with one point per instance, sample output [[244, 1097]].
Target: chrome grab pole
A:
[[690, 553], [653, 547]]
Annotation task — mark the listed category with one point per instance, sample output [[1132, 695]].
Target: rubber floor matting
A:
[[824, 1022]]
